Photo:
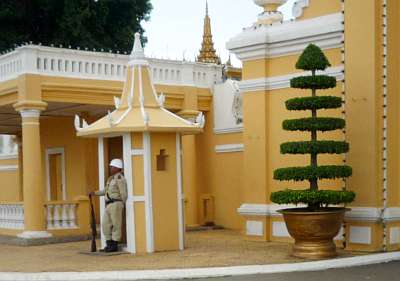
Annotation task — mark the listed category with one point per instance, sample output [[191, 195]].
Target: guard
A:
[[115, 194]]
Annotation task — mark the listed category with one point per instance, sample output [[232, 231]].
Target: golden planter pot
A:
[[314, 232]]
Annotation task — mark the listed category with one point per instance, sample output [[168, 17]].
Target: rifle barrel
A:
[[93, 247]]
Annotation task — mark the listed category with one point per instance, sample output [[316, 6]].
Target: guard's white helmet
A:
[[117, 163]]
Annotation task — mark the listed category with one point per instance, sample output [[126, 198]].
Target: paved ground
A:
[[204, 249], [380, 272]]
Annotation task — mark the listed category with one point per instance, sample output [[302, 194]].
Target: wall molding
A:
[[137, 152], [137, 198], [298, 7], [226, 148], [8, 156], [8, 168], [228, 130], [283, 81], [288, 38], [367, 214]]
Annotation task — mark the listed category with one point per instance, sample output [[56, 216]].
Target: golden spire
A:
[[207, 52]]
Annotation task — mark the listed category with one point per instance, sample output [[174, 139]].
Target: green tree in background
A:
[[101, 24]]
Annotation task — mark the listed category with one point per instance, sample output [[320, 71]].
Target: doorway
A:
[[55, 170], [114, 150]]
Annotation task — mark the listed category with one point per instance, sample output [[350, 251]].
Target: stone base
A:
[[21, 241]]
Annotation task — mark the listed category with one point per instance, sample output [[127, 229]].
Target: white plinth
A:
[[34, 234]]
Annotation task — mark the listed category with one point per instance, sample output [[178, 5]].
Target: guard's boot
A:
[[107, 247], [113, 247]]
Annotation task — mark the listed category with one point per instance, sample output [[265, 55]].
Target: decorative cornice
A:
[[264, 41], [282, 82], [226, 148], [298, 7]]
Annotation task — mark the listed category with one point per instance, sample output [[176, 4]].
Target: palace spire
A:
[[207, 51]]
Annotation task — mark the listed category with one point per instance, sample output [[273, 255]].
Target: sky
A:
[[175, 28]]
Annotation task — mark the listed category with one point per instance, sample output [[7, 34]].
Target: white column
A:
[[148, 193], [101, 184], [130, 211], [181, 224]]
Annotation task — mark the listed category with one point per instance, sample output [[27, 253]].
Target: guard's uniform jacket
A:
[[115, 193]]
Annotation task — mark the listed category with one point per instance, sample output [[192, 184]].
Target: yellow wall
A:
[[189, 180], [278, 66], [9, 187], [364, 100], [165, 195], [81, 177], [256, 171], [322, 7], [220, 174], [86, 91]]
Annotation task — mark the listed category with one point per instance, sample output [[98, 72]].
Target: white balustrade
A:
[[12, 215], [10, 65], [103, 66], [61, 215]]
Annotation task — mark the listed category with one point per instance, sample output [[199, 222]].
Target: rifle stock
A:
[[93, 226]]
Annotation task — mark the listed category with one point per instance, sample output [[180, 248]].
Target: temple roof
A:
[[139, 109], [207, 51]]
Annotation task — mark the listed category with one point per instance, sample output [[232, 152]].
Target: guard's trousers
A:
[[112, 221]]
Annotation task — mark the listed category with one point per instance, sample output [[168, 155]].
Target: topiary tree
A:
[[313, 59]]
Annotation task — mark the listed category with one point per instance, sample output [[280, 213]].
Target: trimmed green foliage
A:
[[308, 147], [314, 124], [305, 103], [320, 197], [312, 58], [317, 82], [312, 173]]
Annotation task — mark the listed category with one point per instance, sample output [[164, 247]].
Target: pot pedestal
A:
[[314, 232]]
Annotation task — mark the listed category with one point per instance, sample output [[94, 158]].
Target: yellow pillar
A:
[[33, 189]]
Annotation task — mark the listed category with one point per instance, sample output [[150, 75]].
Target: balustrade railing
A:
[[12, 215], [61, 214], [99, 65]]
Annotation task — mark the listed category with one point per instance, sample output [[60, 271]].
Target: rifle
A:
[[93, 226]]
